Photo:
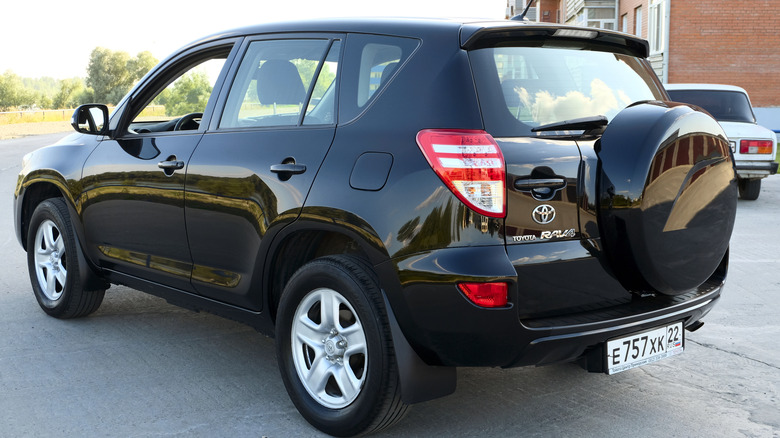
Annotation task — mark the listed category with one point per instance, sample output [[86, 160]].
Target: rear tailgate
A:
[[527, 77]]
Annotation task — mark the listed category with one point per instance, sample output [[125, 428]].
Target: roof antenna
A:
[[521, 17]]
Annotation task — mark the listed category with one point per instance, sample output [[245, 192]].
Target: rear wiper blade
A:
[[593, 125]]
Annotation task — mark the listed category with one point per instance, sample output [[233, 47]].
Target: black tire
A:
[[332, 355], [53, 263], [749, 189]]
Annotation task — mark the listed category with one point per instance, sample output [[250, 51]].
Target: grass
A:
[[61, 115], [14, 117]]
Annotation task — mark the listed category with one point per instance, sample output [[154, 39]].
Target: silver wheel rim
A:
[[329, 348], [50, 260]]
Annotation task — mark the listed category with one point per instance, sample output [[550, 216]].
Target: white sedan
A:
[[754, 146]]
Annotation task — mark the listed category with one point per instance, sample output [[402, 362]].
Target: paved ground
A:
[[140, 367]]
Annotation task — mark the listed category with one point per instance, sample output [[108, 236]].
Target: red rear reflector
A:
[[486, 294], [755, 147], [470, 163]]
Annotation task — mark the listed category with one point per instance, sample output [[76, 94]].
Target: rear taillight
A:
[[471, 164], [755, 147], [486, 294]]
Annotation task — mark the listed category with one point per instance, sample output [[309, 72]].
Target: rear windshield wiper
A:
[[593, 125]]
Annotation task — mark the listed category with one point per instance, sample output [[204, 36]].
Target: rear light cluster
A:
[[755, 147], [486, 294], [470, 163]]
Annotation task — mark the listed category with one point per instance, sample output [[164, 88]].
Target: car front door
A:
[[252, 170], [133, 194]]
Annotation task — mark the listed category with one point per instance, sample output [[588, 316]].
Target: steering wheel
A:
[[185, 122]]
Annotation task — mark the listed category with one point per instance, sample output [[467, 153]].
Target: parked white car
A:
[[754, 146]]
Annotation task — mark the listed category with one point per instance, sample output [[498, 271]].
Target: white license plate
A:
[[643, 348]]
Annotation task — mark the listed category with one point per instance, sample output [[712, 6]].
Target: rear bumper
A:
[[755, 169], [444, 328]]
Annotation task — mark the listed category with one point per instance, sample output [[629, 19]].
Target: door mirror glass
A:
[[90, 119]]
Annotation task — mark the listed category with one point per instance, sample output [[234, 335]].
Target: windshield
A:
[[724, 106], [524, 87]]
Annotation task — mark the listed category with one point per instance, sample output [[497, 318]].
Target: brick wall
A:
[[627, 7], [548, 10], [727, 42]]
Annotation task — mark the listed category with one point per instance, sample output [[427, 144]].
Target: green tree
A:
[[42, 100], [111, 74], [190, 94], [306, 69], [13, 93], [70, 94], [141, 64], [46, 85]]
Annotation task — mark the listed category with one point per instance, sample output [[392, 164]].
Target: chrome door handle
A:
[[171, 165], [540, 187], [293, 169]]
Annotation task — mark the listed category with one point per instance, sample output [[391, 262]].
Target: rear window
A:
[[724, 106], [524, 87]]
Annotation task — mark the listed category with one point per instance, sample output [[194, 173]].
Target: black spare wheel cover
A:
[[667, 196]]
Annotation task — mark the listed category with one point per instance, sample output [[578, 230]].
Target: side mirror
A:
[[91, 118]]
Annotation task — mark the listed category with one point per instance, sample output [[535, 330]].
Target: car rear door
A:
[[532, 90], [252, 171]]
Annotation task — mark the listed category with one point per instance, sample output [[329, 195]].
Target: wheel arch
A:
[[303, 242], [306, 240], [44, 186], [34, 191]]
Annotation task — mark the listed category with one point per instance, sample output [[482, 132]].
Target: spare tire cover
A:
[[667, 196]]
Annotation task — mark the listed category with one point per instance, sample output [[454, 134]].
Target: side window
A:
[[275, 79], [377, 63], [370, 62], [322, 105], [180, 105]]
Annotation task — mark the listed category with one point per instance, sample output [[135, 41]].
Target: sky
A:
[[55, 38]]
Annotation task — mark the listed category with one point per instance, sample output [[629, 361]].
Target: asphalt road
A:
[[141, 367]]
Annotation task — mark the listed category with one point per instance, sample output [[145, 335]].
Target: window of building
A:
[[603, 18], [656, 25], [624, 23], [638, 21]]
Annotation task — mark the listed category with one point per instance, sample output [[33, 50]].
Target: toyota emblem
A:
[[544, 214]]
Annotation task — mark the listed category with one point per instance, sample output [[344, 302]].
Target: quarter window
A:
[[371, 61]]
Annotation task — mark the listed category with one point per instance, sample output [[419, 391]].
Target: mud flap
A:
[[419, 381]]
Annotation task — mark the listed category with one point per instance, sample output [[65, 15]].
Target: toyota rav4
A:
[[391, 199]]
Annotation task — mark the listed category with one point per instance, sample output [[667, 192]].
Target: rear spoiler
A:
[[481, 35]]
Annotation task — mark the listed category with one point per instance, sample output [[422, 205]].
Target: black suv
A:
[[391, 199]]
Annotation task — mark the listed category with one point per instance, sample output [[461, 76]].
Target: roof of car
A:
[[712, 87], [416, 27]]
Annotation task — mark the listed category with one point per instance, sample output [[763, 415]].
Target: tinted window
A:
[[274, 80], [184, 89], [726, 106], [372, 60], [523, 87], [322, 105]]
